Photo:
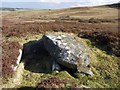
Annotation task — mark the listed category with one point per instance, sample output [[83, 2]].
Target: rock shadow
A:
[[36, 58]]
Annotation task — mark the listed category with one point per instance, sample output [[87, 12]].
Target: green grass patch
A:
[[105, 68]]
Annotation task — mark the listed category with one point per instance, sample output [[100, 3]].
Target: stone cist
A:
[[68, 52]]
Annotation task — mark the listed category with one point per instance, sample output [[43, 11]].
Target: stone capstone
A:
[[67, 51]]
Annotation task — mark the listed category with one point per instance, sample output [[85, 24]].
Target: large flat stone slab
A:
[[67, 51]]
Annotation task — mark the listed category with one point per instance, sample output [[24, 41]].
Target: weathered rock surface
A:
[[67, 51]]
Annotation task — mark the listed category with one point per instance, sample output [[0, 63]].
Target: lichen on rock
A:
[[68, 52]]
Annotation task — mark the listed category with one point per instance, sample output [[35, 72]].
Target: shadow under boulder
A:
[[36, 58], [55, 51]]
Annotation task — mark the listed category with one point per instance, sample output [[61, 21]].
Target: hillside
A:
[[97, 27], [100, 12], [117, 5]]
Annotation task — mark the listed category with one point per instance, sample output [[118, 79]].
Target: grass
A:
[[31, 79], [79, 13], [105, 71], [104, 66], [25, 39]]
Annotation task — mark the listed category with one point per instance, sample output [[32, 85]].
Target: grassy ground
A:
[[17, 26], [79, 13], [104, 66]]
